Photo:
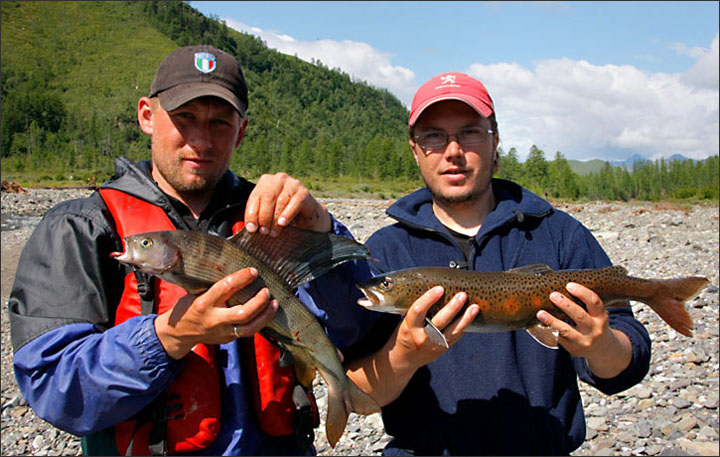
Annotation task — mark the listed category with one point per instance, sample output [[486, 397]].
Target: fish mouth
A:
[[127, 259], [120, 256], [371, 299]]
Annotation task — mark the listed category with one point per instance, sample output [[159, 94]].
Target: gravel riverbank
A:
[[674, 411]]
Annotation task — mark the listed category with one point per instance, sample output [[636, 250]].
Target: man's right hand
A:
[[206, 319], [384, 374]]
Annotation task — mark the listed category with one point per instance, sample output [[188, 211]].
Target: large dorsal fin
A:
[[538, 268], [299, 256]]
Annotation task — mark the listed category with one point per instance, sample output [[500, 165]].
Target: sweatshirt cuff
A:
[[639, 364], [155, 360]]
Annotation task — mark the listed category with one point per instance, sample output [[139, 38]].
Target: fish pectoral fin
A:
[[547, 336], [435, 335], [538, 268]]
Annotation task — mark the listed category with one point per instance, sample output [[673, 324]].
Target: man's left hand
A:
[[279, 200], [608, 351]]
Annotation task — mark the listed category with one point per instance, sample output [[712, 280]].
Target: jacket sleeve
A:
[[73, 368], [583, 251]]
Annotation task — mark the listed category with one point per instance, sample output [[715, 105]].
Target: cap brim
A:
[[177, 96], [475, 103]]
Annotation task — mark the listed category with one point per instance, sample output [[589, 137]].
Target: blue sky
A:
[[590, 79]]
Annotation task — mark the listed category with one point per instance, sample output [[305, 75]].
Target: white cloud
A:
[[583, 110], [706, 71], [606, 112], [359, 60]]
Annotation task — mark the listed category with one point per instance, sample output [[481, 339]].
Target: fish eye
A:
[[146, 242], [386, 283]]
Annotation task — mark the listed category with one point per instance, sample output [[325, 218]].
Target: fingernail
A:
[[253, 271], [273, 233], [264, 230], [571, 286], [250, 227], [282, 221], [555, 296]]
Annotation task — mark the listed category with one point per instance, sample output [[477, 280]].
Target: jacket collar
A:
[[134, 178], [513, 203]]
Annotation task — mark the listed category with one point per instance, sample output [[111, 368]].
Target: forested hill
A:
[[72, 73]]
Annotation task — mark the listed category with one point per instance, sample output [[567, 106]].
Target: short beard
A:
[[194, 188], [454, 199], [446, 200]]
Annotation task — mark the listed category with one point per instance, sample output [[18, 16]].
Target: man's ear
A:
[[242, 133], [145, 115], [414, 151]]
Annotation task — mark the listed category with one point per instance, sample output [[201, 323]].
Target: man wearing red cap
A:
[[489, 393], [103, 352]]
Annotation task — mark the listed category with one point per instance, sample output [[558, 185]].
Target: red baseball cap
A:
[[451, 86]]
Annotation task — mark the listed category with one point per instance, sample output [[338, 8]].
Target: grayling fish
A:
[[510, 300], [195, 261]]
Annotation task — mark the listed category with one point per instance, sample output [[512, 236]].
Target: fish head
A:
[[384, 293], [151, 253]]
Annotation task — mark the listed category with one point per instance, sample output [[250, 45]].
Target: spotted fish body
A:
[[510, 300], [195, 261]]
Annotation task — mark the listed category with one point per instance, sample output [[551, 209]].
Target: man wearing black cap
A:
[[99, 353]]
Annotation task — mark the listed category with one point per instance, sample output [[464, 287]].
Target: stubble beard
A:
[[449, 200], [173, 176], [457, 199]]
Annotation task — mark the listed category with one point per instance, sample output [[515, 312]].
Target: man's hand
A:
[[608, 351], [385, 373], [206, 319], [411, 341], [278, 200]]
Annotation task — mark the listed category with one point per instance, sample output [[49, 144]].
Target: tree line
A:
[[648, 180]]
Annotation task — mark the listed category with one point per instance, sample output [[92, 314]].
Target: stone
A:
[[597, 423], [687, 423]]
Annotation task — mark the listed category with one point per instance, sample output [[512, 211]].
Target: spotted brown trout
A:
[[510, 300], [195, 261]]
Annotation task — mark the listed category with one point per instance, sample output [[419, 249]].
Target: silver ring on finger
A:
[[235, 331]]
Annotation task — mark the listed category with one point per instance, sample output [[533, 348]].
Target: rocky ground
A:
[[674, 411]]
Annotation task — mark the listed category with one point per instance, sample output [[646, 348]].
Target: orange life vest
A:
[[191, 406]]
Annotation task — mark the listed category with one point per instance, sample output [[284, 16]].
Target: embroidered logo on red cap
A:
[[447, 79], [205, 62]]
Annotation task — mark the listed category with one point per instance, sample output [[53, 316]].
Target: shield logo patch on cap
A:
[[205, 62]]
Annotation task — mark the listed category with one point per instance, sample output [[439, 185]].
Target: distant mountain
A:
[[679, 157], [629, 162], [587, 167]]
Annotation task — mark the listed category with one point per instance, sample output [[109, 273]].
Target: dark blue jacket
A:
[[83, 374], [497, 393]]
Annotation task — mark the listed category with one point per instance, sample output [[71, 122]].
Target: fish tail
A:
[[337, 415], [669, 298], [341, 402]]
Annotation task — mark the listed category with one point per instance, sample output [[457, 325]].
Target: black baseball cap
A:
[[199, 71]]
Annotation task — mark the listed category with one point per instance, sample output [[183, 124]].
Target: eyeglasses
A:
[[438, 139]]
